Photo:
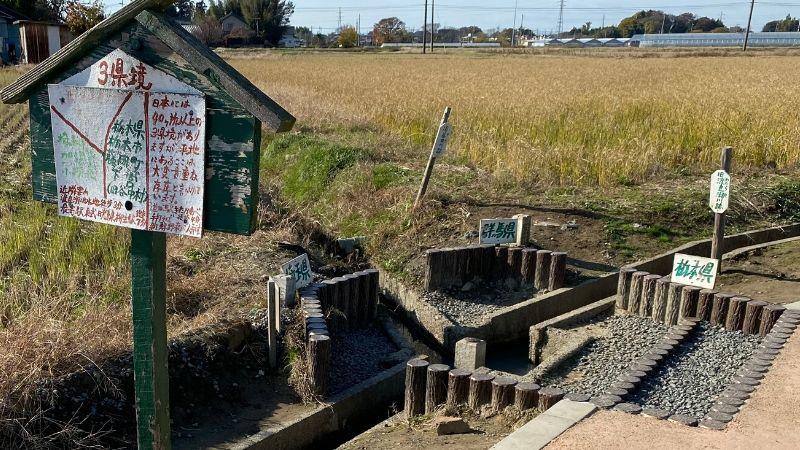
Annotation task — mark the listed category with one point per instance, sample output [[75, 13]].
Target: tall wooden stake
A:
[[717, 242], [431, 161], [149, 296]]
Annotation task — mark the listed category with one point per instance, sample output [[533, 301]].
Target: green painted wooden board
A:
[[233, 135]]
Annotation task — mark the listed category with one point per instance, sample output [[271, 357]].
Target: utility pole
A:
[[514, 28], [358, 31], [425, 30], [663, 22], [560, 19], [339, 30], [749, 24], [433, 3]]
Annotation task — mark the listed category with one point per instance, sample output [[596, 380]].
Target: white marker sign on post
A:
[[442, 136], [299, 268], [498, 231], [694, 271], [720, 191], [130, 158]]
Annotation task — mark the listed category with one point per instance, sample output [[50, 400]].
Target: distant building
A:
[[39, 40], [9, 35], [231, 23], [579, 43], [783, 39], [289, 40]]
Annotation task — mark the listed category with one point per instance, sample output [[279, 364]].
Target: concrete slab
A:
[[547, 426], [574, 411], [793, 306]]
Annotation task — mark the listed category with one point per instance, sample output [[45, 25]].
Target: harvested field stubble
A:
[[553, 118]]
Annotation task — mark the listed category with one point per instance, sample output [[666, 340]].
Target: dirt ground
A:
[[771, 274], [396, 434]]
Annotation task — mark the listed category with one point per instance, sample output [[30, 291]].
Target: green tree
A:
[[80, 17], [348, 37], [787, 24], [181, 9], [269, 17], [390, 29]]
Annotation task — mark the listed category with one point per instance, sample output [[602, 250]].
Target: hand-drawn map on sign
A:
[[498, 231], [132, 158], [694, 271]]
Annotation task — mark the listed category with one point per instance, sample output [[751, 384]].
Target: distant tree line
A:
[[788, 24]]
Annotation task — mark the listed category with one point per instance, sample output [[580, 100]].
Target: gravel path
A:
[[473, 307], [692, 378], [356, 356], [596, 367]]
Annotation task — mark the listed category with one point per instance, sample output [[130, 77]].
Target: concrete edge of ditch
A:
[[327, 419], [513, 323], [354, 404], [538, 337]]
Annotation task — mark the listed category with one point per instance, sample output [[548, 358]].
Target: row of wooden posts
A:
[[453, 267], [344, 303], [654, 296], [430, 387], [350, 301]]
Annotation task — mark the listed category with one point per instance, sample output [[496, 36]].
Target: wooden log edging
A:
[[645, 366], [452, 267], [734, 397]]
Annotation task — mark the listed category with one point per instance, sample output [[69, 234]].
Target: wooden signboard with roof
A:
[[136, 123]]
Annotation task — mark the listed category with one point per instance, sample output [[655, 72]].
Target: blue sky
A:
[[538, 14]]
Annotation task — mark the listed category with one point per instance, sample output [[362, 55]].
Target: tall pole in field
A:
[[718, 241], [749, 24], [425, 30], [514, 28], [560, 19], [433, 4]]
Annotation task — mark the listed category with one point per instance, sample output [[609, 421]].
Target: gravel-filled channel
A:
[[357, 355], [595, 368], [473, 304], [691, 379]]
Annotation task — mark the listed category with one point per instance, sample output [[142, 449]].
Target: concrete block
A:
[[470, 353], [286, 290], [523, 229], [547, 426]]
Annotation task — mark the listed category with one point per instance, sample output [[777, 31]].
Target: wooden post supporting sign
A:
[[149, 298], [439, 146], [719, 204]]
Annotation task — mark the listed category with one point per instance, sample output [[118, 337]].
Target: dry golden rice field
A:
[[554, 118]]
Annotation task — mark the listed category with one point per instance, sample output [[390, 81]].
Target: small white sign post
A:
[[694, 271], [442, 136], [299, 269], [498, 231], [720, 191], [718, 202]]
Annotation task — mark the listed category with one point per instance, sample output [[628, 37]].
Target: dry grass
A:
[[553, 118]]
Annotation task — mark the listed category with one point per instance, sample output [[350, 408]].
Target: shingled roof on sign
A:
[[147, 13]]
